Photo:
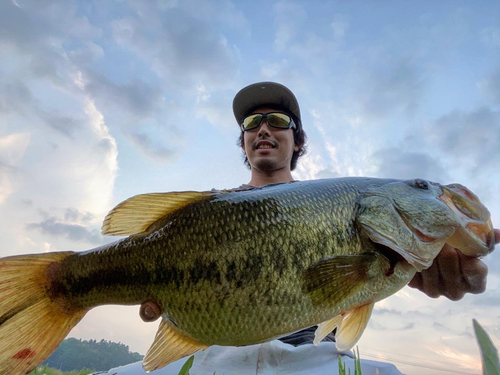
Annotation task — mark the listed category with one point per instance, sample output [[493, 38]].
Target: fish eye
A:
[[421, 184]]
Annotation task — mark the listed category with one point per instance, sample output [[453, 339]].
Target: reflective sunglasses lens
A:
[[252, 121], [278, 120]]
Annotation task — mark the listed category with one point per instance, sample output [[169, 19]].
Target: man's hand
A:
[[453, 274]]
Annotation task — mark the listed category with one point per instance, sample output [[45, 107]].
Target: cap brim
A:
[[264, 94]]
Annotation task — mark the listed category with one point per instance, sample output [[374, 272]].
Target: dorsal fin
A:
[[137, 214]]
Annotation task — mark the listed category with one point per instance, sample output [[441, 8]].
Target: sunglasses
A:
[[274, 119]]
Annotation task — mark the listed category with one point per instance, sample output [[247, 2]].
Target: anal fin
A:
[[325, 328], [352, 327], [170, 344]]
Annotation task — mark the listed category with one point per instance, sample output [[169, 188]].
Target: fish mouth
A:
[[475, 236], [265, 144]]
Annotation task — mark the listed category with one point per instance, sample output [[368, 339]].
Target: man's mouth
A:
[[260, 145]]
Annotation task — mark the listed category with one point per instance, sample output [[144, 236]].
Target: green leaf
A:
[[187, 366], [341, 366], [489, 354]]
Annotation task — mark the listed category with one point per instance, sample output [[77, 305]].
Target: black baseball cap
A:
[[262, 94]]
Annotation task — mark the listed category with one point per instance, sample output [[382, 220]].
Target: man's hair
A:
[[299, 138]]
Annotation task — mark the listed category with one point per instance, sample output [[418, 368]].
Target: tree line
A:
[[76, 354]]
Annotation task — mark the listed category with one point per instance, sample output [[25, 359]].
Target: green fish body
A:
[[244, 267]]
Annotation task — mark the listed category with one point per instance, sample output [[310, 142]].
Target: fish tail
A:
[[33, 321]]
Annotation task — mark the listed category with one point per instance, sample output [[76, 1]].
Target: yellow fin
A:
[[137, 214], [352, 327], [31, 325], [170, 344], [325, 328]]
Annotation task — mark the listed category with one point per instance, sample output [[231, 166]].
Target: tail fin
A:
[[32, 325]]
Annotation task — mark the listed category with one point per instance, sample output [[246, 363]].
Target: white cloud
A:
[[153, 149], [470, 138], [12, 149], [203, 94], [309, 166], [287, 31], [491, 36], [339, 25]]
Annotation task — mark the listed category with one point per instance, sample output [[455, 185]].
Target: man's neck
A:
[[260, 178]]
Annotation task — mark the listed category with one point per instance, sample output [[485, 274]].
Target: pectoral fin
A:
[[325, 328], [137, 214], [352, 327], [331, 280], [170, 344]]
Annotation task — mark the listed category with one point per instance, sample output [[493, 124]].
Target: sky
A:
[[100, 101]]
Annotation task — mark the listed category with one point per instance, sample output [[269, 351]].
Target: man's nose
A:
[[264, 128]]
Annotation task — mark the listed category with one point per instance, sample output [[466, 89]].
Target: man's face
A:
[[269, 149]]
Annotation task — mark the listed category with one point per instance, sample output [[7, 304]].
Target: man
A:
[[271, 154], [272, 140], [452, 274]]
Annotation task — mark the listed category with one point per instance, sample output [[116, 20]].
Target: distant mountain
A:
[[74, 354]]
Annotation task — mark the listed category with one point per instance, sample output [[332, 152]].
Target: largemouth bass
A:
[[242, 267]]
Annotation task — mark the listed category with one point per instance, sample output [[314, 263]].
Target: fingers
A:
[[431, 281], [416, 282], [451, 284], [497, 235], [452, 275], [474, 273], [149, 311]]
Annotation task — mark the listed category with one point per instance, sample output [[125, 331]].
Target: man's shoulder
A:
[[239, 188], [245, 187]]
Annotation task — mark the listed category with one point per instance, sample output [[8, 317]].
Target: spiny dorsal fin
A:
[[331, 280], [136, 214], [325, 328], [352, 327], [170, 344]]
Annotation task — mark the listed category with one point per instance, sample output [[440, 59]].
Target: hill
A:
[[75, 354]]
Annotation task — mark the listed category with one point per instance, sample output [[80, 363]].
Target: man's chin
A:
[[265, 165]]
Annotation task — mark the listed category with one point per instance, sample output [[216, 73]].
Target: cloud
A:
[[135, 97], [340, 25], [74, 232], [16, 98], [183, 49], [213, 106], [22, 28], [391, 86], [286, 31], [491, 36], [382, 311], [12, 150], [73, 215], [491, 85], [153, 149], [62, 123], [14, 95], [471, 138], [309, 166], [396, 163]]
